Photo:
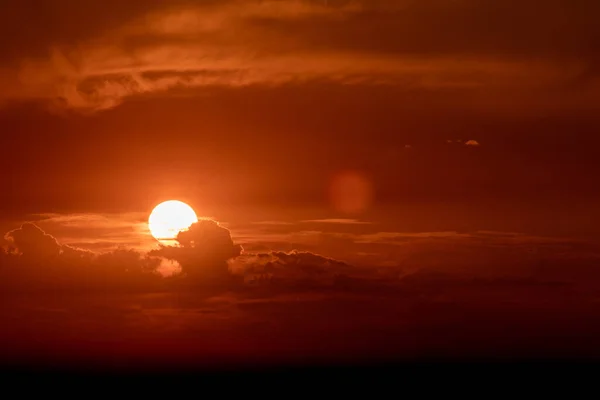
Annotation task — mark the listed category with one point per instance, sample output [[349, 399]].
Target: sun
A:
[[169, 218]]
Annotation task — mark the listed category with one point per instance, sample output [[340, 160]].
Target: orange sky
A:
[[424, 146]]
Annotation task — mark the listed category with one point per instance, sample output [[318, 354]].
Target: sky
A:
[[398, 143]]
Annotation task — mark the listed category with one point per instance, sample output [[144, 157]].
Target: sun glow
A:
[[169, 218]]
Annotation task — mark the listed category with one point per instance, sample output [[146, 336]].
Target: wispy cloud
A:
[[342, 221], [98, 232], [273, 223], [241, 43]]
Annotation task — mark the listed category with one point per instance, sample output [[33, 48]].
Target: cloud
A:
[[207, 255], [394, 256], [35, 260], [99, 232], [288, 267], [461, 257], [277, 223], [343, 221], [128, 260], [150, 48], [203, 251], [31, 241], [489, 292], [36, 247], [229, 14], [176, 67], [180, 47], [472, 143]]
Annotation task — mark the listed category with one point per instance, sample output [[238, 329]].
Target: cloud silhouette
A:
[[35, 260], [31, 241], [484, 288], [289, 267], [206, 254], [203, 251], [129, 261]]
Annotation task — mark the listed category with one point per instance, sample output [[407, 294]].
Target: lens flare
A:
[[351, 192]]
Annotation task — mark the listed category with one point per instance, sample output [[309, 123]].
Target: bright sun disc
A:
[[169, 218]]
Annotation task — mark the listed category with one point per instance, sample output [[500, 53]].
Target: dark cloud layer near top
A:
[[405, 26], [35, 26], [94, 56]]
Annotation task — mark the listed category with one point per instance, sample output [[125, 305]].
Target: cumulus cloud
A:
[[487, 291], [203, 251], [36, 260], [31, 241], [515, 286], [206, 254], [35, 246]]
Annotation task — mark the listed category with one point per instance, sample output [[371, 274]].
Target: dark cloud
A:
[[36, 261], [35, 246], [279, 267], [207, 255], [129, 261], [96, 56], [468, 25], [395, 256], [31, 241], [447, 294], [203, 251]]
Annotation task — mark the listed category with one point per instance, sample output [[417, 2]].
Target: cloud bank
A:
[[207, 255], [34, 260], [488, 293]]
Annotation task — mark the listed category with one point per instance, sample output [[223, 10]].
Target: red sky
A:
[[464, 135]]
